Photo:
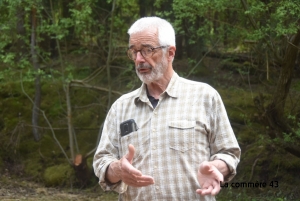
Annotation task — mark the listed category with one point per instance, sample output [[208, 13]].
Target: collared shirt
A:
[[189, 125]]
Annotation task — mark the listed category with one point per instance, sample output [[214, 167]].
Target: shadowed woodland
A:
[[64, 62]]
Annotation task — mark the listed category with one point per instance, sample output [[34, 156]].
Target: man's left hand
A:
[[209, 178]]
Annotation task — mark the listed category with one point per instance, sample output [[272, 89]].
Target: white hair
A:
[[166, 33]]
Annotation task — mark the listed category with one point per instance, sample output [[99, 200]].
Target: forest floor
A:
[[20, 189]]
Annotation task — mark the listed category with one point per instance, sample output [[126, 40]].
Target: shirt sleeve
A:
[[108, 152], [223, 143]]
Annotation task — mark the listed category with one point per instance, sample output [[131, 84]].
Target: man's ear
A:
[[171, 51]]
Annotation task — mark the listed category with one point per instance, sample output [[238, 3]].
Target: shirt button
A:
[[153, 130], [155, 113], [155, 167], [157, 187], [154, 147]]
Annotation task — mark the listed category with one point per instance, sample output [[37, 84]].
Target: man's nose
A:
[[139, 57]]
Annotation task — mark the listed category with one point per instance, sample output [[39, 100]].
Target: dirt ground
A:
[[20, 189]]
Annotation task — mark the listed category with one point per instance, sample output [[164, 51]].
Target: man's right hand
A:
[[123, 170]]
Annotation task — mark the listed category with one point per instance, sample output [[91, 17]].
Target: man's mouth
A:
[[144, 70]]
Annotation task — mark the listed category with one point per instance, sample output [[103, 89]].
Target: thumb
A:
[[205, 168], [131, 152]]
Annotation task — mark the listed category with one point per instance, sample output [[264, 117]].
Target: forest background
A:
[[63, 63]]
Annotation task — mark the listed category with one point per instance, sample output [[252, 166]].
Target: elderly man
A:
[[171, 138]]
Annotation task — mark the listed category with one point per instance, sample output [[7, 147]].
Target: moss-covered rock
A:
[[58, 175]]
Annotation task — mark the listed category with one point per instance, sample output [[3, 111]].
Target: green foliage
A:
[[195, 18], [238, 103], [274, 19], [295, 136]]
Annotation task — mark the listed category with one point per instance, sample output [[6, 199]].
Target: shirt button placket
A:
[[155, 151]]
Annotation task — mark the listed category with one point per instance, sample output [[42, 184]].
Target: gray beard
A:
[[155, 74]]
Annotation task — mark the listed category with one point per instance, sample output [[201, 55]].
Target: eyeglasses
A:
[[146, 52]]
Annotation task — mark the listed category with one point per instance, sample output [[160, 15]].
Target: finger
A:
[[145, 178], [131, 151], [134, 178], [129, 180], [216, 188], [206, 191], [138, 181], [141, 183], [219, 176]]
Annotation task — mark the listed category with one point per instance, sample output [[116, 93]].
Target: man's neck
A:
[[158, 87]]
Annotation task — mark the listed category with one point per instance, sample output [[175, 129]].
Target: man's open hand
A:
[[123, 170], [209, 178]]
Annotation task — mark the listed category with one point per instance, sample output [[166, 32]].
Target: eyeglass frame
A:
[[140, 50]]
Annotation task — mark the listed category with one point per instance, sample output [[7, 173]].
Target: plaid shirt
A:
[[188, 126]]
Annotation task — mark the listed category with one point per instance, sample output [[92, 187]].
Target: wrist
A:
[[112, 174], [221, 166]]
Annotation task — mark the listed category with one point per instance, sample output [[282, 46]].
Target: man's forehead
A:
[[144, 38], [140, 45]]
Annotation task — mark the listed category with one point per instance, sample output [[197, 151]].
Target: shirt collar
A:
[[172, 86], [171, 90]]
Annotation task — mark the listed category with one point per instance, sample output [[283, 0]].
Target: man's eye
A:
[[147, 51]]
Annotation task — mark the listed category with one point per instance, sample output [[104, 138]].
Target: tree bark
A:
[[69, 119], [35, 63], [286, 74], [110, 49]]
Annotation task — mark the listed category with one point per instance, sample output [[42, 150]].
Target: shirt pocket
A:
[[138, 139], [182, 134]]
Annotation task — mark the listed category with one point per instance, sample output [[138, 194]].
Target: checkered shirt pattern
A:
[[188, 126]]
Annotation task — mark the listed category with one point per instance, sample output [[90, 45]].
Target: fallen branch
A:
[[253, 166], [77, 83]]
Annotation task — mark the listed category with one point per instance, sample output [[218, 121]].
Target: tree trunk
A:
[[83, 174], [274, 113], [37, 97], [65, 8], [69, 119], [109, 55], [179, 46], [286, 74]]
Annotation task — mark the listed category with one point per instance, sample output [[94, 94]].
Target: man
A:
[[183, 145]]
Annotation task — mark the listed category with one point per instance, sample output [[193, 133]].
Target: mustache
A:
[[143, 65]]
